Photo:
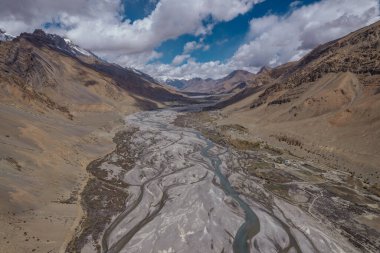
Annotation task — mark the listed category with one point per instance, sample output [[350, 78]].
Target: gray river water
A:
[[251, 225]]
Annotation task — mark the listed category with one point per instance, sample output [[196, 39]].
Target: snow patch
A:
[[5, 36]]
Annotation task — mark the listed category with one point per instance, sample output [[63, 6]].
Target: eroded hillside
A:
[[328, 102], [60, 106]]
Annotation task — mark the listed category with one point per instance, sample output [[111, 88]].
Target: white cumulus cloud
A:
[[279, 39], [180, 59], [98, 25], [273, 40]]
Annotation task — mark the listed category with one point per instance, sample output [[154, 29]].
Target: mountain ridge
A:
[[26, 58], [332, 93], [233, 82]]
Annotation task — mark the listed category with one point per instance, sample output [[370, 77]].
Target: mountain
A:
[[60, 106], [129, 79], [232, 83], [199, 85], [193, 85], [56, 42], [253, 85], [328, 102]]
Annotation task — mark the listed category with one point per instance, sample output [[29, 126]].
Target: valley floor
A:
[[43, 160], [168, 187]]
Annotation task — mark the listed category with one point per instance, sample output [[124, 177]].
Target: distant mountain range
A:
[[231, 83]]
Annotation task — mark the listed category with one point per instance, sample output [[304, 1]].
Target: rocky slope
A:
[[60, 106], [328, 101]]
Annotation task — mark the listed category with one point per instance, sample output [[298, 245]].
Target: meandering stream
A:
[[251, 225]]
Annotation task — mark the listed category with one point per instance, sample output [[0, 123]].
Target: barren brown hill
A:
[[234, 82], [264, 78], [60, 106], [328, 102]]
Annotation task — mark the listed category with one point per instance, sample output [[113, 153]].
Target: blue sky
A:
[[197, 38], [226, 37]]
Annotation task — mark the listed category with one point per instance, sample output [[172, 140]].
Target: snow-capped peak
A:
[[138, 72], [59, 42], [76, 49], [5, 36]]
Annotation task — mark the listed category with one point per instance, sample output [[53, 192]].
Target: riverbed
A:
[[186, 193]]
